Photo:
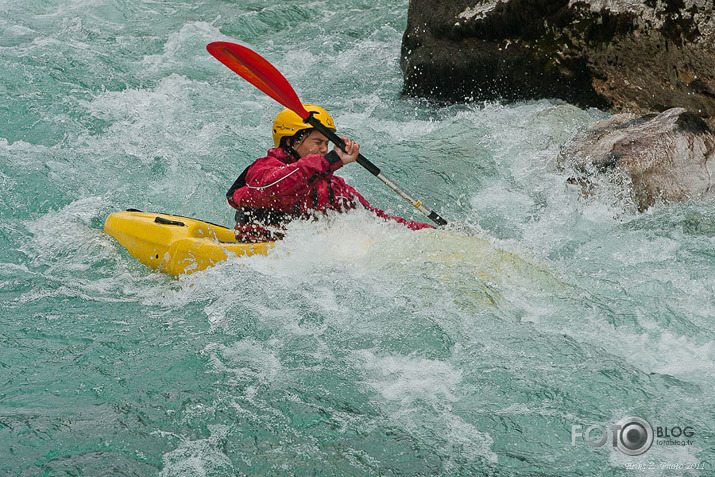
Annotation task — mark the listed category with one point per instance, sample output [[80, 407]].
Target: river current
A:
[[514, 342]]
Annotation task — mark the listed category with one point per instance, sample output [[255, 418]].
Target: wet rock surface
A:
[[665, 157], [635, 56]]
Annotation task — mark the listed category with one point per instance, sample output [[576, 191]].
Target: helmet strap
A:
[[298, 137]]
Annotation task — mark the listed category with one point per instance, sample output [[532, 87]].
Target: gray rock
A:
[[621, 55], [665, 157]]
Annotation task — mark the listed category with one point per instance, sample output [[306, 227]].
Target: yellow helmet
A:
[[287, 123]]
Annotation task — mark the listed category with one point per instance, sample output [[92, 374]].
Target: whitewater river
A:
[[358, 347]]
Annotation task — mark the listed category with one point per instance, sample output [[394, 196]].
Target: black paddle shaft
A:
[[374, 170], [335, 139]]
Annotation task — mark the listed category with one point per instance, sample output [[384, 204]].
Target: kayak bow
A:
[[176, 245]]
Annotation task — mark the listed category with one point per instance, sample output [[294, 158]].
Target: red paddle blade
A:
[[259, 72]]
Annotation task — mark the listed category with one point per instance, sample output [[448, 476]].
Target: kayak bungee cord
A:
[[263, 75]]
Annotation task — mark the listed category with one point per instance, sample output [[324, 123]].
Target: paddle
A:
[[260, 73]]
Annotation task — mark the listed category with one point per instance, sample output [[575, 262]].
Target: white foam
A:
[[418, 393], [200, 457], [406, 379], [184, 46], [247, 358]]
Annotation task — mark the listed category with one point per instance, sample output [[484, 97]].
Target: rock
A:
[[668, 157], [622, 55]]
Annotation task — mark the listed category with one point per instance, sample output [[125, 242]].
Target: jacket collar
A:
[[281, 154]]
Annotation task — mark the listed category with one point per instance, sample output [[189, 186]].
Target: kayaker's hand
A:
[[352, 150]]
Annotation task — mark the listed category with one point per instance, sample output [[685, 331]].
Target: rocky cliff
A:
[[637, 56]]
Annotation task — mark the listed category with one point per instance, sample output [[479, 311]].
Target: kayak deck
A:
[[175, 244]]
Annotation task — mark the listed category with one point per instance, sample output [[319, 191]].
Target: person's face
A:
[[313, 143]]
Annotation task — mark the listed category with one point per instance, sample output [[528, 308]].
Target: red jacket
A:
[[276, 183]]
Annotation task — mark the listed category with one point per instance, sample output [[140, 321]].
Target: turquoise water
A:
[[358, 347]]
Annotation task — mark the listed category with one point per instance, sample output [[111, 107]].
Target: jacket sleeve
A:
[[382, 214], [272, 184]]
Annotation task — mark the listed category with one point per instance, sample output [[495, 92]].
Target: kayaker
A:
[[295, 180]]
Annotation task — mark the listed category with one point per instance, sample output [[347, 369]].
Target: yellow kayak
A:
[[177, 245]]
